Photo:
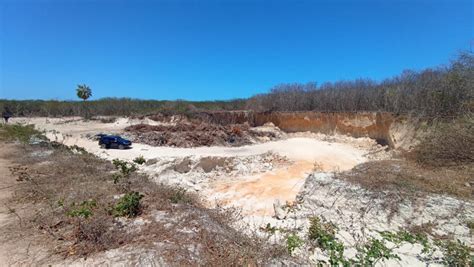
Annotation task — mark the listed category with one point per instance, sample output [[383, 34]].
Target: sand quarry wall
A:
[[375, 125]]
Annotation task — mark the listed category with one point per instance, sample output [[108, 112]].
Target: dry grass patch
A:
[[448, 144], [402, 179], [70, 202]]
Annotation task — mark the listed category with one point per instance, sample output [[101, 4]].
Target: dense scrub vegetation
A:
[[113, 107], [443, 91], [439, 92]]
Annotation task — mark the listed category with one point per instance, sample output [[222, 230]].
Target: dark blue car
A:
[[113, 141]]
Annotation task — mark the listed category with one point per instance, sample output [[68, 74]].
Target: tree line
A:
[[439, 92], [114, 107], [442, 91]]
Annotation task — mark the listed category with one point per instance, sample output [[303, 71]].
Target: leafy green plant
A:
[[324, 235], [140, 160], [372, 252], [293, 242], [128, 205], [126, 168], [455, 253], [179, 195], [405, 236], [83, 210]]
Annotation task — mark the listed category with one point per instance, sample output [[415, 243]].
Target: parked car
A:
[[113, 141]]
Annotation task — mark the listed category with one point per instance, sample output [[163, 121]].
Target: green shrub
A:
[[83, 210], [179, 195], [126, 168], [128, 205], [405, 236], [293, 242], [140, 160], [372, 252], [22, 133], [324, 235], [456, 253]]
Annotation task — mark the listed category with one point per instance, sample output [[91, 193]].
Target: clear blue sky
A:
[[200, 50]]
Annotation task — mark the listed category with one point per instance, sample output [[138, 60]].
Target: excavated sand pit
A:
[[234, 176], [282, 182]]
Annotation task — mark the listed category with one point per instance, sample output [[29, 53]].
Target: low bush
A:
[[456, 253], [179, 195], [140, 160], [128, 205], [324, 235], [375, 250], [18, 132], [83, 210], [293, 242], [126, 168]]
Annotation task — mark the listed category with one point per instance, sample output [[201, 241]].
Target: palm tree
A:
[[83, 92]]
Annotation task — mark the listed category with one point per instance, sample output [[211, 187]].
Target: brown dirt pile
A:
[[195, 134]]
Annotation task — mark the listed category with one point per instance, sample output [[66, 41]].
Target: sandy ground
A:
[[256, 178], [6, 184], [22, 250]]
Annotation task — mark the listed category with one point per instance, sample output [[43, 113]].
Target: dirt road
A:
[[7, 182], [16, 249]]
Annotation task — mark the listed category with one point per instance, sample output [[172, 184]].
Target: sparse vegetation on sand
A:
[[69, 201], [21, 133]]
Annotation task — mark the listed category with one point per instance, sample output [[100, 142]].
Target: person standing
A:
[[6, 114]]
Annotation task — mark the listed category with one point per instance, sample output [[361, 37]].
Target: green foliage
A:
[[126, 168], [405, 236], [324, 235], [128, 205], [116, 177], [140, 160], [372, 252], [179, 195], [455, 253], [22, 133], [293, 242], [83, 210], [83, 92], [112, 107]]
